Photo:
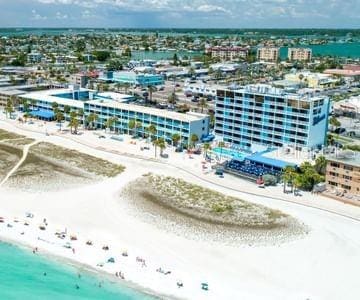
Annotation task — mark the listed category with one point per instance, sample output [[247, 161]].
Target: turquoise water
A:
[[230, 153], [351, 50], [22, 277]]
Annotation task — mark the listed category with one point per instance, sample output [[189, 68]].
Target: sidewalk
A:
[[181, 161]]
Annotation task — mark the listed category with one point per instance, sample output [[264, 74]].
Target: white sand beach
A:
[[323, 264]]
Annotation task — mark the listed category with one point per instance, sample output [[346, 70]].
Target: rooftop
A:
[[188, 117], [266, 89], [53, 95], [348, 157]]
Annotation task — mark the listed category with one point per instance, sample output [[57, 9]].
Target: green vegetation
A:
[[306, 176], [202, 204], [77, 159]]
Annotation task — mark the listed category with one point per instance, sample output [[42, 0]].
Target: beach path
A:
[[25, 153]]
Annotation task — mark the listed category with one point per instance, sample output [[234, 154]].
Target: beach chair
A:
[[205, 286]]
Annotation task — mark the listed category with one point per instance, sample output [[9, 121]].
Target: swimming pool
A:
[[225, 152]]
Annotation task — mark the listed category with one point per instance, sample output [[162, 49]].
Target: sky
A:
[[181, 13]]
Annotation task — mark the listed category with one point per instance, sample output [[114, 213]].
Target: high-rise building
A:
[[299, 54], [268, 54], [264, 115]]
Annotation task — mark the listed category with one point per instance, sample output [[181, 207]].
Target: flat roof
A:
[[348, 157], [187, 117], [266, 89], [51, 96], [259, 158]]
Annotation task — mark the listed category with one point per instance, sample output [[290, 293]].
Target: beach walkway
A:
[[24, 156]]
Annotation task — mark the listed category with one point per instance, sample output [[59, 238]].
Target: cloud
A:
[[183, 13], [35, 16]]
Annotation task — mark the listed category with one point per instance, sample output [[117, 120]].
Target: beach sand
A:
[[320, 265]]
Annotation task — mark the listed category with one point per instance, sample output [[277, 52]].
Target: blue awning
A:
[[44, 114], [276, 163]]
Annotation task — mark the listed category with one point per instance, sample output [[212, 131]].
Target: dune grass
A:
[[204, 204]]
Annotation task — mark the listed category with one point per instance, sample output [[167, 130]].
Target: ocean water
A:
[[22, 277], [351, 50]]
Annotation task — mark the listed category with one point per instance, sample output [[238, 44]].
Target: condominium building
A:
[[299, 54], [166, 122], [264, 115], [343, 172], [108, 104], [228, 53], [270, 54]]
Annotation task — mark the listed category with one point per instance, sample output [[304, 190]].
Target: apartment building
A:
[[108, 104], [270, 54], [167, 122], [343, 173], [299, 54], [228, 53], [264, 115]]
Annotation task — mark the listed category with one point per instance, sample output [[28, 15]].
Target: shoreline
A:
[[233, 272], [52, 257]]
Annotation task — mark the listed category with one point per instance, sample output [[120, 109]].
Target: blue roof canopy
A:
[[258, 158], [45, 114]]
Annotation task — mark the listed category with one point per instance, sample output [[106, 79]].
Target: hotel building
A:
[[228, 53], [264, 115], [299, 54], [167, 122], [343, 172], [270, 54], [107, 105]]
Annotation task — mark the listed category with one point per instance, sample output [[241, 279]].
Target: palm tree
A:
[[73, 123], [172, 99], [206, 147], [159, 143], [221, 145], [320, 164], [155, 143], [334, 122], [288, 176], [9, 109], [91, 119], [330, 139], [131, 126], [175, 138], [66, 110], [110, 122], [81, 114], [54, 106], [297, 182], [151, 89], [152, 131], [162, 145], [138, 125], [194, 138], [59, 116], [203, 104]]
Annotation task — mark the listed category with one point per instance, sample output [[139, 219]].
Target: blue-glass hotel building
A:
[[264, 115]]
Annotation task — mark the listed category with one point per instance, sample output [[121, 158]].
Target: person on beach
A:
[[73, 250]]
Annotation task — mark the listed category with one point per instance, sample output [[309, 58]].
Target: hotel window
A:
[[349, 168], [346, 187], [347, 177], [335, 165]]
